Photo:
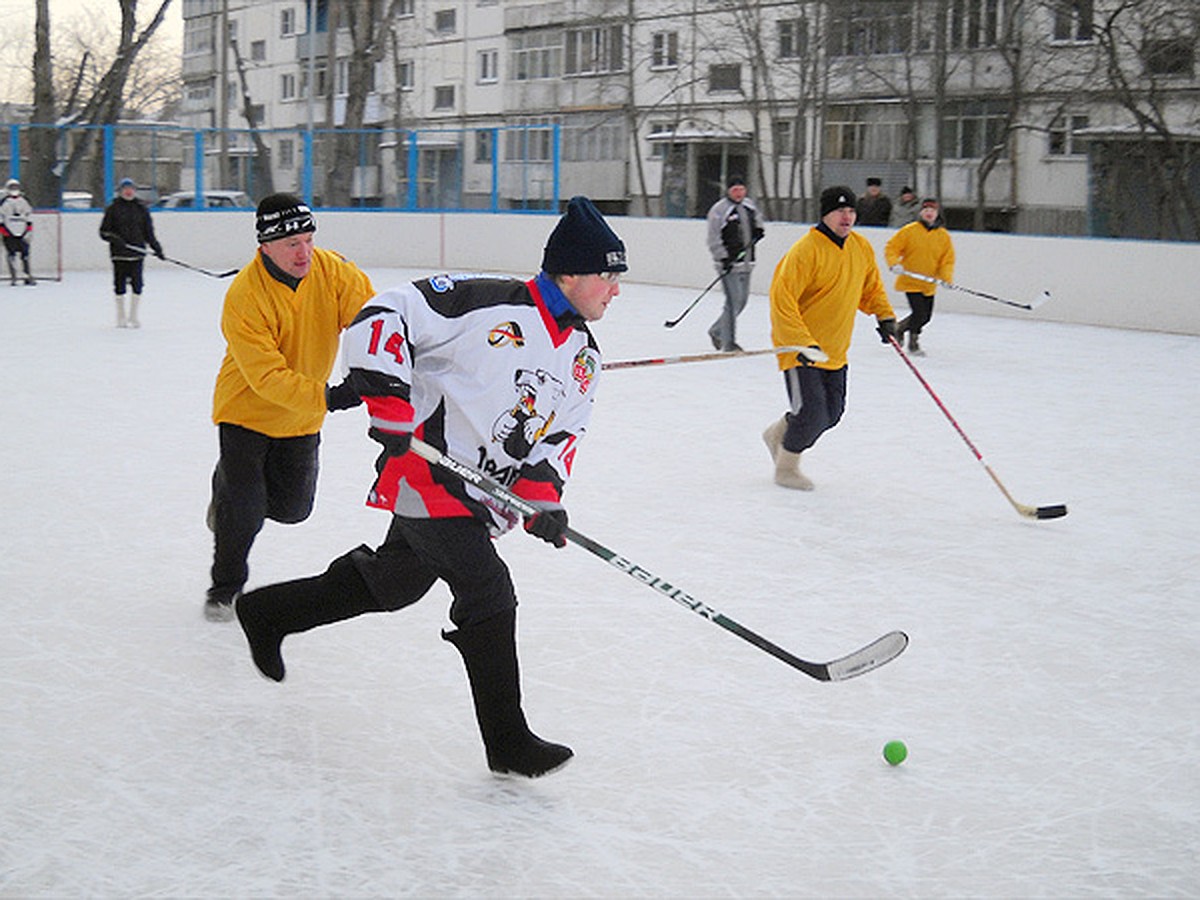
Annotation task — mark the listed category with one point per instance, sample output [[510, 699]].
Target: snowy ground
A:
[[1049, 697]]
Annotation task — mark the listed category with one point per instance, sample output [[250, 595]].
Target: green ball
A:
[[895, 752]]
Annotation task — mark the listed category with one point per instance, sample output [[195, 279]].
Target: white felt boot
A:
[[787, 471], [120, 298]]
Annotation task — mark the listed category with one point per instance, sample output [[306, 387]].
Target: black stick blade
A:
[[1052, 512]]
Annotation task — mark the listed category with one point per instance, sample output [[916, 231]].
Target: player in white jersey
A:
[[16, 227], [501, 374]]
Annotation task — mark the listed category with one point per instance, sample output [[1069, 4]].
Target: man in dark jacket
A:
[[130, 234]]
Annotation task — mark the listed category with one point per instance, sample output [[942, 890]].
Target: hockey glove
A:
[[158, 251], [550, 525], [341, 397], [394, 443], [726, 266], [886, 329]]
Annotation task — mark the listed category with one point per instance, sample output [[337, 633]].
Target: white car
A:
[[212, 200]]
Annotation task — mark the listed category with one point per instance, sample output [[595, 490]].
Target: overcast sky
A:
[[17, 46]]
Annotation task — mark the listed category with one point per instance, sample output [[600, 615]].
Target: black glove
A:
[[394, 443], [550, 525], [158, 251], [886, 329], [726, 266], [756, 235], [342, 397]]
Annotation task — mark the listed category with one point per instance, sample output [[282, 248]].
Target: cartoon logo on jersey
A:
[[441, 283], [583, 369], [506, 333], [526, 423]]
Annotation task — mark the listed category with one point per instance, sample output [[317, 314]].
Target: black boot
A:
[[901, 327], [489, 651], [269, 614]]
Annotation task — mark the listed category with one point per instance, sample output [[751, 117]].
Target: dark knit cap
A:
[[836, 197], [736, 181], [929, 201], [582, 243], [283, 215], [874, 182]]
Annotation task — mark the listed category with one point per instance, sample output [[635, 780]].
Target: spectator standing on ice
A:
[[874, 207], [908, 209], [734, 227], [282, 320], [129, 230], [818, 285], [16, 226], [924, 248], [496, 372]]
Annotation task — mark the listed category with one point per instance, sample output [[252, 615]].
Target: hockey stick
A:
[[813, 354], [1056, 511], [1038, 301], [872, 656], [671, 323], [225, 274]]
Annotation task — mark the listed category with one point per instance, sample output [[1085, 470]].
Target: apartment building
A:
[[1041, 116]]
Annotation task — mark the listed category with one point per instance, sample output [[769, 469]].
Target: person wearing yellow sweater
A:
[[282, 321], [818, 285], [923, 248]]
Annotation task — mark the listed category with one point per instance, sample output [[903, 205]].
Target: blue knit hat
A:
[[582, 243]]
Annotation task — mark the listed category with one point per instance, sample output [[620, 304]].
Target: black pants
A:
[[127, 270], [818, 399], [418, 552], [922, 311], [257, 478]]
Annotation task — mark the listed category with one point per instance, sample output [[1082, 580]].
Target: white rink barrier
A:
[[1143, 285]]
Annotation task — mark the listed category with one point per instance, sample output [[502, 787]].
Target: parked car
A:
[[212, 200], [76, 200]]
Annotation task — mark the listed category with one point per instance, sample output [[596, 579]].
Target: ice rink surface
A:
[[1049, 696]]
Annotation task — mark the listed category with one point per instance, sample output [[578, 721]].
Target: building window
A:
[[322, 80], [869, 29], [595, 51], [257, 114], [658, 148], [533, 142], [404, 8], [445, 21], [793, 38], [1063, 140], [1170, 56], [974, 23], [198, 36], [725, 78], [782, 131], [443, 96], [485, 140], [866, 132], [1073, 20], [535, 55], [665, 50], [258, 51], [287, 22], [973, 129], [287, 153], [592, 140], [488, 66], [404, 74], [287, 86]]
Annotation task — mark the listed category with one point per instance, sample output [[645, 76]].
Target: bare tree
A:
[[261, 175], [42, 184]]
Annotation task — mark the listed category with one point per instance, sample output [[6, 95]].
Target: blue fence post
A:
[[495, 170], [306, 176], [198, 167], [109, 182], [414, 157], [557, 153], [14, 152]]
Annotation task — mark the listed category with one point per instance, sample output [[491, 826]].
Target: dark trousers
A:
[[127, 271], [818, 399], [257, 478], [459, 551], [922, 311]]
